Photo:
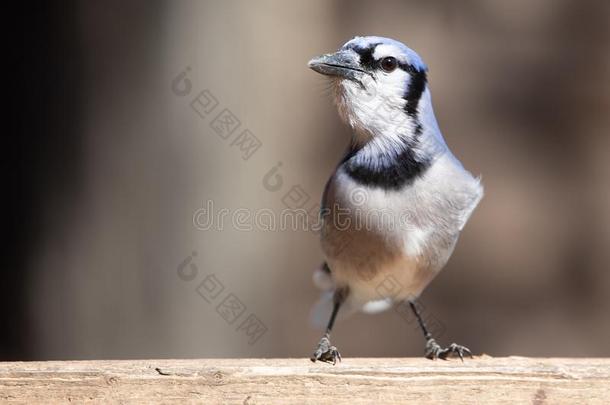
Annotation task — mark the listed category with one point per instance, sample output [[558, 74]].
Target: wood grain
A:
[[484, 380]]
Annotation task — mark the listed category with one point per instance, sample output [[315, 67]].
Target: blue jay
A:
[[395, 205]]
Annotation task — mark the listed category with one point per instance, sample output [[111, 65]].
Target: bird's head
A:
[[378, 83]]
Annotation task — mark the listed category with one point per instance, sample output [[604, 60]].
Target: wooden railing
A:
[[483, 380]]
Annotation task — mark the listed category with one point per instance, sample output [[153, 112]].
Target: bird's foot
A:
[[326, 352], [434, 351]]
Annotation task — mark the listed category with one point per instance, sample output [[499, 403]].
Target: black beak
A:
[[343, 64]]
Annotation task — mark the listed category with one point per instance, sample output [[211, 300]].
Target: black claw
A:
[[434, 351], [326, 352]]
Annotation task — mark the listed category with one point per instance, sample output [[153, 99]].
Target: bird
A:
[[394, 207]]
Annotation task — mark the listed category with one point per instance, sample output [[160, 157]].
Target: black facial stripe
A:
[[414, 91], [367, 60]]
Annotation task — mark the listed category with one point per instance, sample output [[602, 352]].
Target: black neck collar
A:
[[389, 171]]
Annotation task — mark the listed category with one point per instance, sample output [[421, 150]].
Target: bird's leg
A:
[[433, 349], [325, 351]]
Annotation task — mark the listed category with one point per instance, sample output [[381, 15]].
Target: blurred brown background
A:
[[109, 166]]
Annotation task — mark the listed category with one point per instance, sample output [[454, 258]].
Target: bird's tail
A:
[[321, 310], [322, 278]]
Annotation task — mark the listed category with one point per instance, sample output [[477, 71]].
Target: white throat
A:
[[381, 124]]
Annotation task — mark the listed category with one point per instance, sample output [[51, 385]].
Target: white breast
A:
[[419, 226]]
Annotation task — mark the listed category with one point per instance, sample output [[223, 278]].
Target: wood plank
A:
[[482, 380]]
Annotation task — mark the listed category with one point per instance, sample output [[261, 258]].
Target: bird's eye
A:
[[389, 63]]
